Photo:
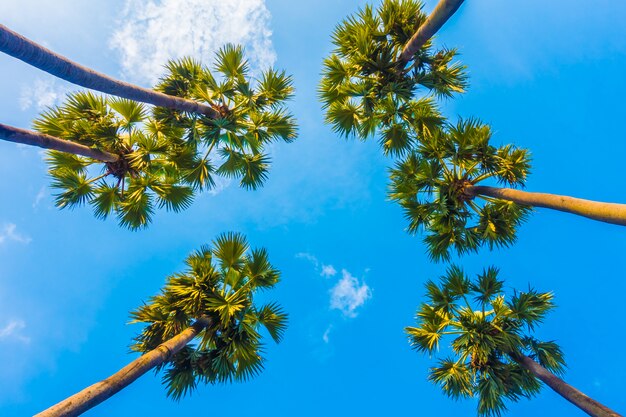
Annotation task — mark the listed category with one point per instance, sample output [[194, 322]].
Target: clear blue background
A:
[[547, 75]]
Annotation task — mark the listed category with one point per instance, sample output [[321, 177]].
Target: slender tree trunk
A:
[[605, 212], [27, 137], [571, 394], [443, 11], [103, 390], [18, 46]]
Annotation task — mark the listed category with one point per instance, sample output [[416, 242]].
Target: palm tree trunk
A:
[[443, 11], [571, 394], [19, 47], [605, 212], [14, 134], [103, 390]]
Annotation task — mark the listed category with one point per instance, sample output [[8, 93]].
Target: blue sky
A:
[[546, 75]]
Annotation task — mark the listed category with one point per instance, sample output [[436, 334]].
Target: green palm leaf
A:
[[274, 319], [132, 112]]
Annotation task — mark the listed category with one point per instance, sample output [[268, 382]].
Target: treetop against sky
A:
[[544, 86]]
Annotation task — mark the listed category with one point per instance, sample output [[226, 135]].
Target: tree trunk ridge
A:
[[443, 11], [571, 394], [27, 137], [24, 49], [100, 391], [614, 213]]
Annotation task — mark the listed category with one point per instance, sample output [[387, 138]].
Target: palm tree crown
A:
[[432, 184], [146, 172], [219, 283], [490, 329], [166, 156], [365, 89], [252, 115]]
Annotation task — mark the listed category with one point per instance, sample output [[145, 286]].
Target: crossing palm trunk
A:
[[24, 49], [103, 390], [27, 137], [605, 212], [571, 394], [443, 11]]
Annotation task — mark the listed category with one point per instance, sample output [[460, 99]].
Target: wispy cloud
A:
[[328, 271], [8, 232], [325, 270], [221, 184], [326, 335], [346, 294], [42, 93], [152, 32], [41, 194], [13, 330], [349, 294], [309, 257]]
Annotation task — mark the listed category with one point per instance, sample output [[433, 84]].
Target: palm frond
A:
[[136, 210], [274, 319], [75, 189], [132, 112]]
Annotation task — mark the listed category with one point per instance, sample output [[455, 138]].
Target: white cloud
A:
[[328, 271], [152, 32], [39, 197], [309, 257], [325, 336], [8, 233], [348, 294], [221, 184], [13, 331], [42, 93]]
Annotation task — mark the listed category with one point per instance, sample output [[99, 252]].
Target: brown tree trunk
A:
[[605, 212], [27, 137], [103, 390], [443, 11], [571, 394], [19, 47]]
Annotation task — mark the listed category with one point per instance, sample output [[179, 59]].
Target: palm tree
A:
[[443, 11], [364, 91], [145, 173], [27, 137], [164, 158], [211, 303], [494, 356], [438, 185], [24, 49]]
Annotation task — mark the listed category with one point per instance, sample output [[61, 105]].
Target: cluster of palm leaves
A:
[[160, 157], [166, 156], [434, 183], [444, 178], [220, 123], [146, 172], [491, 330], [219, 285], [366, 90]]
